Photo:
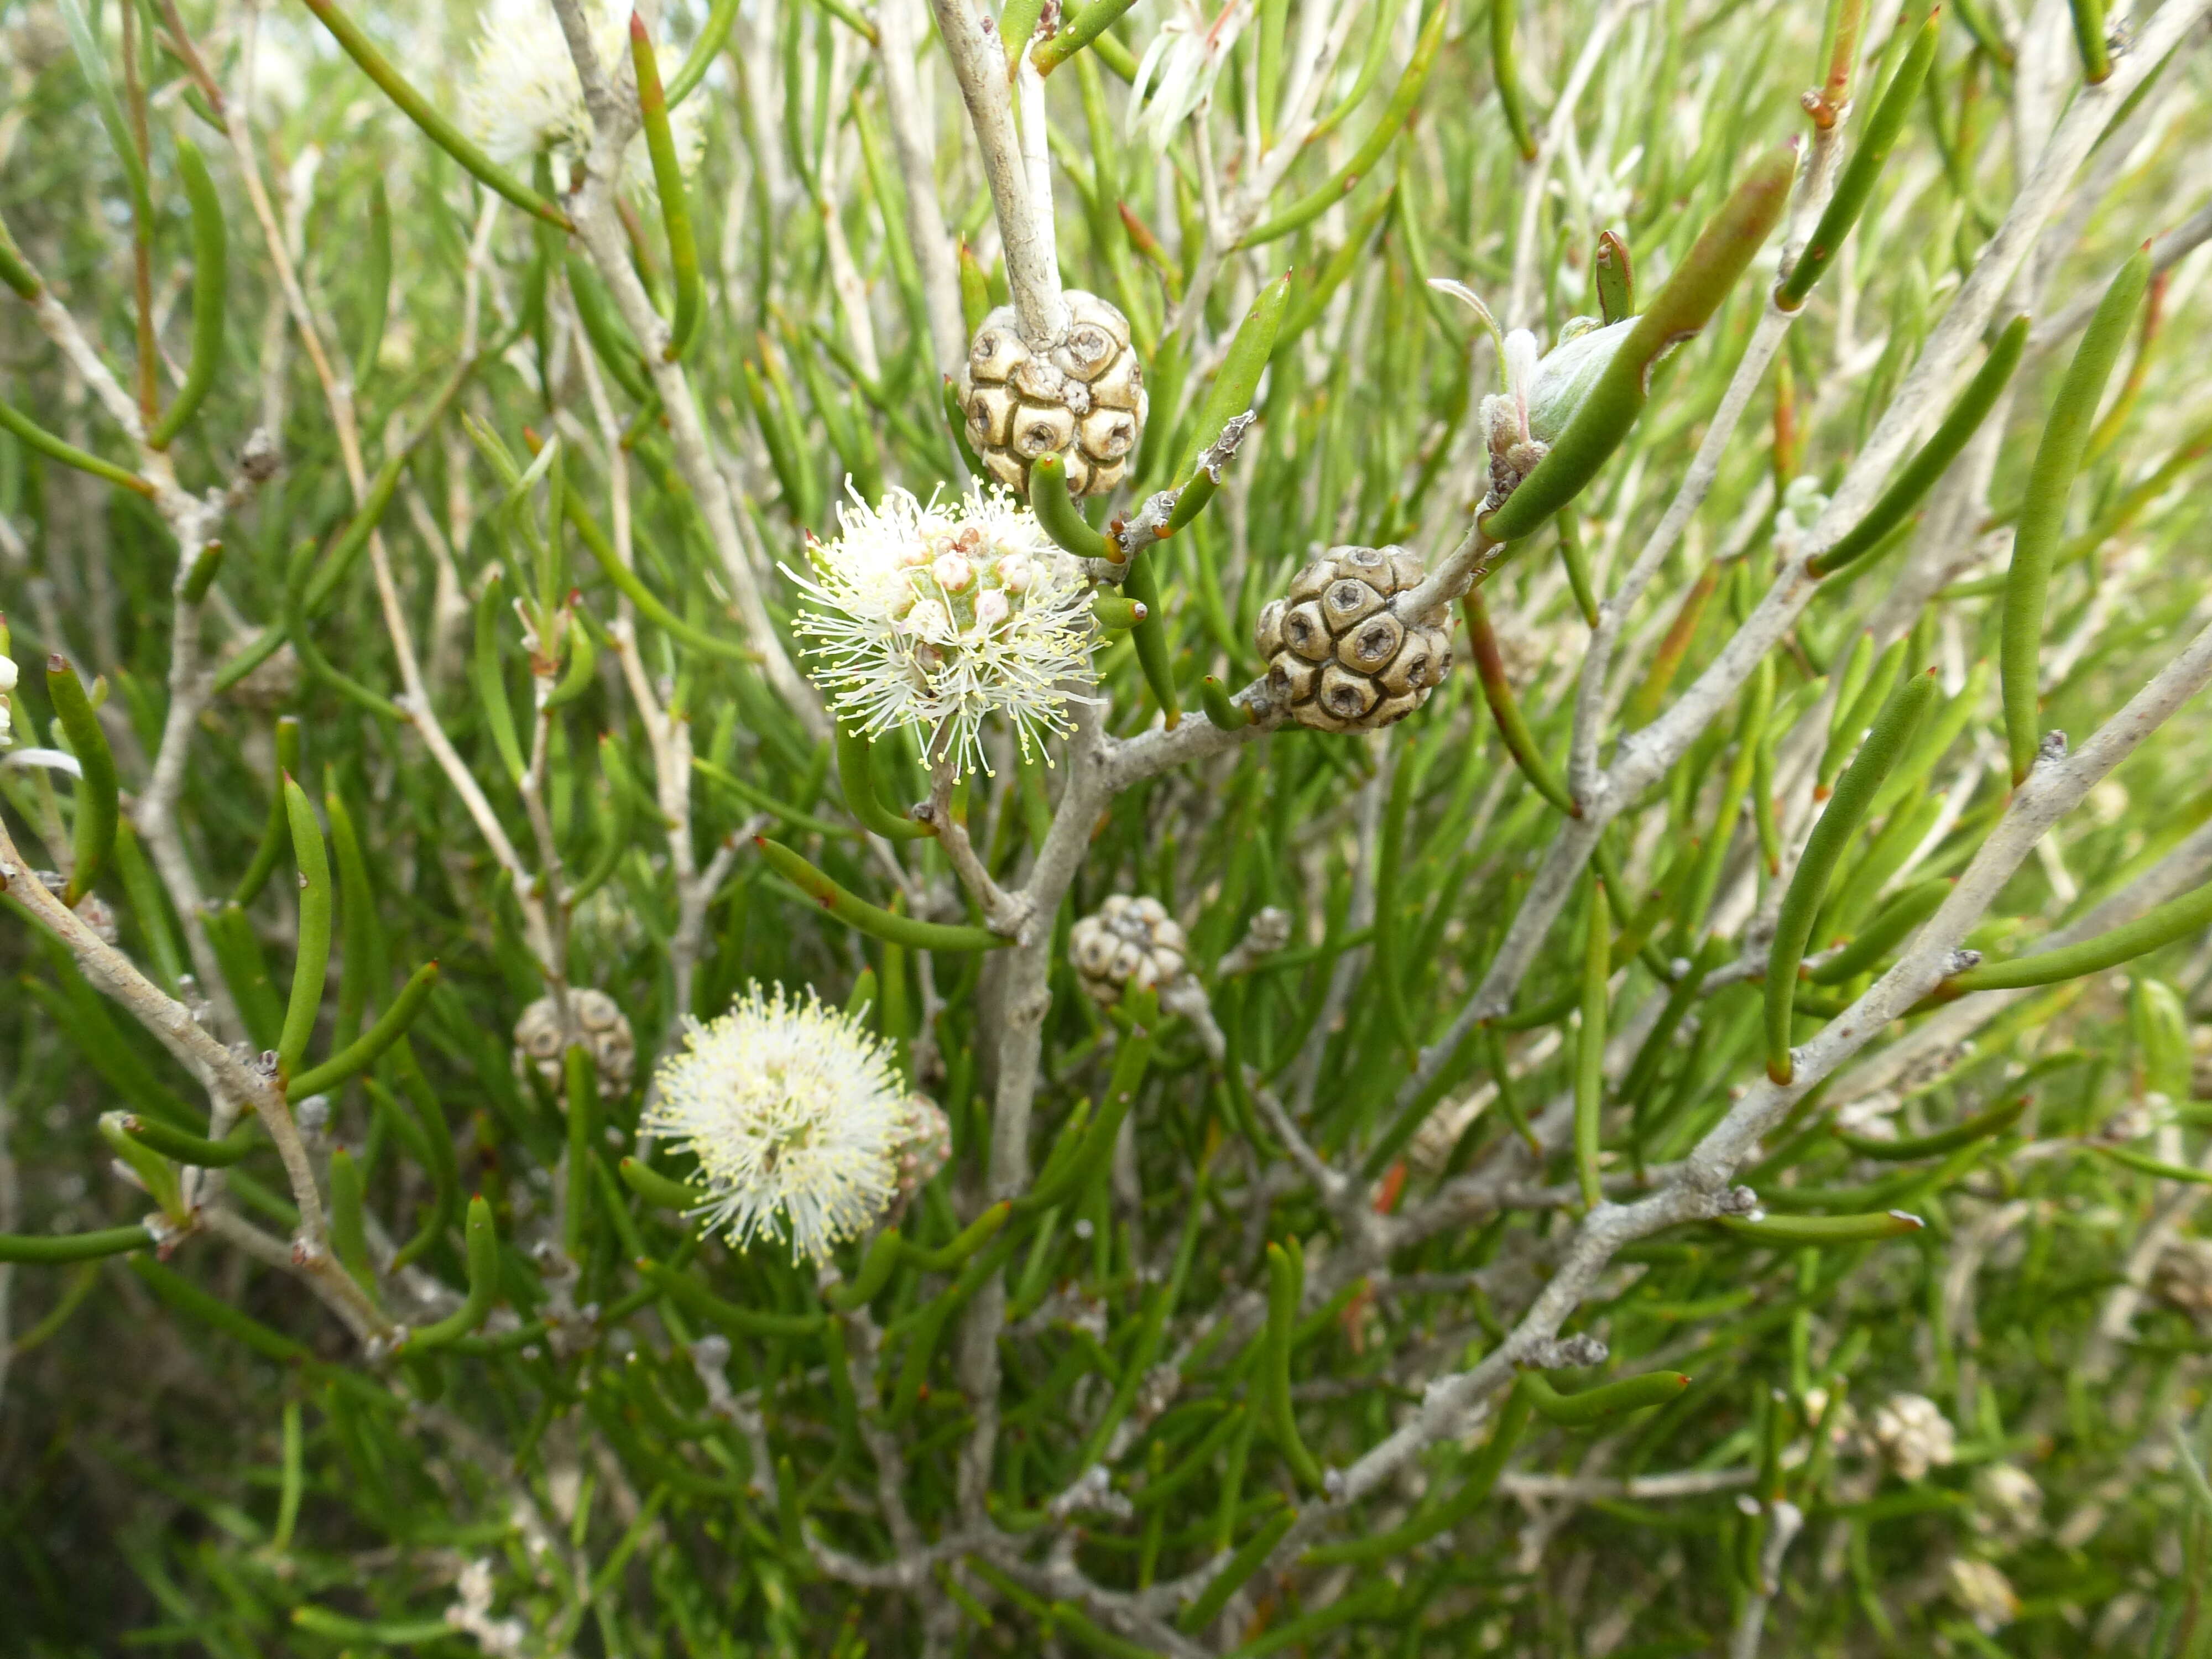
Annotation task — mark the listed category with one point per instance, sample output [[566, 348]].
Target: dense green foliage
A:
[[1385, 1285]]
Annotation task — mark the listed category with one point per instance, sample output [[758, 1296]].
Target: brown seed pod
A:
[[1084, 398], [601, 1027], [1339, 656]]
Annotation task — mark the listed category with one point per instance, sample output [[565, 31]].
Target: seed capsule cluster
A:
[[601, 1026], [1339, 658], [1130, 943], [1084, 398]]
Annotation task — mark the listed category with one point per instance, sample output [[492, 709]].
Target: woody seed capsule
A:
[[1339, 657], [1084, 398], [601, 1026]]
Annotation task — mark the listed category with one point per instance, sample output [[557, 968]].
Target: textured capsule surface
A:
[[1129, 942], [601, 1027], [1083, 399], [1339, 658]]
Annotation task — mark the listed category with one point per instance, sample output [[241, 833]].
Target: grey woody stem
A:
[[979, 63]]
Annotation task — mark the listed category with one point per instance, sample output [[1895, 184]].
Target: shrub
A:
[[1345, 829]]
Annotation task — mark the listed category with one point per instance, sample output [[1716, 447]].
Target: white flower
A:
[[796, 1117], [525, 97], [7, 685], [934, 616]]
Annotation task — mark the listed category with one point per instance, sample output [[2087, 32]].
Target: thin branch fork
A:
[[592, 206], [227, 1078], [415, 698], [979, 63], [1702, 1189], [1642, 757]]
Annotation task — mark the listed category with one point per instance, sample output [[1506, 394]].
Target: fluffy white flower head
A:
[[934, 616], [526, 96], [796, 1117], [7, 685]]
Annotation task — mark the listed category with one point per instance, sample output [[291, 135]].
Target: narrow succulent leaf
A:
[[312, 959], [2176, 919], [1221, 708], [668, 184], [2089, 40], [1236, 1571], [1838, 823], [1505, 70], [856, 776], [92, 63], [482, 1246], [1855, 186], [172, 1142], [211, 302], [1056, 510], [2042, 512], [1142, 585], [99, 788], [36, 437], [1590, 1045], [2158, 1168], [1237, 380], [53, 1249], [873, 920], [1614, 278], [16, 271], [1308, 208], [713, 36], [1983, 1125], [365, 1050], [1792, 1231], [1089, 28], [418, 109], [1917, 475], [1285, 1283], [1889, 927], [1592, 1406]]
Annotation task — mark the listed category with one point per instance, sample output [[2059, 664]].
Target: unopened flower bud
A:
[[1565, 377], [931, 621]]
